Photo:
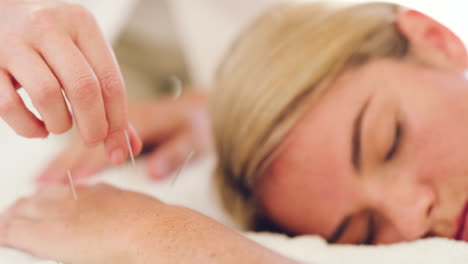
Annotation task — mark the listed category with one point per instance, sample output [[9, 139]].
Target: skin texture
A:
[[184, 127], [50, 48], [410, 184], [96, 230]]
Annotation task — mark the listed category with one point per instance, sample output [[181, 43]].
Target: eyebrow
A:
[[369, 238], [341, 229], [356, 138]]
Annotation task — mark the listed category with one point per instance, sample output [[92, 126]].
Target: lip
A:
[[462, 223]]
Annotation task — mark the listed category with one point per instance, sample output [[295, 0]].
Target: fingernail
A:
[[44, 134], [118, 156]]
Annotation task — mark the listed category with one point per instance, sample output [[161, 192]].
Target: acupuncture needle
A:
[[176, 86], [132, 158], [72, 185], [179, 171]]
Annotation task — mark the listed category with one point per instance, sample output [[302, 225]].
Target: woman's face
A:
[[382, 157]]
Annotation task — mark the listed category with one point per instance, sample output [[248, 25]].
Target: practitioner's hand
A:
[[53, 49], [170, 128]]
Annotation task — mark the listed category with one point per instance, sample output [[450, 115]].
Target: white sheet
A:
[[194, 189]]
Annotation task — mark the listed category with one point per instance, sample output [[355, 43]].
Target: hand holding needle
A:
[[70, 179], [132, 158]]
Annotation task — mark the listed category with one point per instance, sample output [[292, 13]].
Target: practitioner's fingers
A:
[[35, 76], [81, 160], [135, 140], [14, 112], [170, 156], [54, 192], [80, 84], [98, 52]]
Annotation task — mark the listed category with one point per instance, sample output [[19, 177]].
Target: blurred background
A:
[[149, 52], [153, 43], [156, 41]]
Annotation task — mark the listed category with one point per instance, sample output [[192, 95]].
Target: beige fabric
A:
[[111, 14]]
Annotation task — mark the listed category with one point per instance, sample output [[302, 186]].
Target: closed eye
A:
[[396, 141], [370, 238]]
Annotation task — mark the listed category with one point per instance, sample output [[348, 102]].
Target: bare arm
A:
[[108, 225], [203, 240]]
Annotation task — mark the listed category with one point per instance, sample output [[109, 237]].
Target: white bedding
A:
[[195, 190]]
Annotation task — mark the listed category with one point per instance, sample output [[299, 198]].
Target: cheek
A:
[[388, 234], [436, 134], [434, 152], [306, 203]]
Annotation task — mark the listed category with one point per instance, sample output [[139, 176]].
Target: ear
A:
[[431, 42]]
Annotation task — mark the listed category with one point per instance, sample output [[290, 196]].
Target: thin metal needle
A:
[[186, 161], [132, 158], [176, 86], [72, 185]]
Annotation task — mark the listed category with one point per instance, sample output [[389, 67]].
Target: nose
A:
[[406, 209]]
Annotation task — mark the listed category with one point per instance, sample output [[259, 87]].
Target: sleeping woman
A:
[[347, 122]]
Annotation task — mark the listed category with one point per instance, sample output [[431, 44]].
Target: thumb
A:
[[135, 141]]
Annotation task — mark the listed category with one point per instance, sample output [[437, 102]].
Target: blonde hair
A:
[[285, 58]]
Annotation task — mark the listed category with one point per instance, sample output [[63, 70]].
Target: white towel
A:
[[308, 249]]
